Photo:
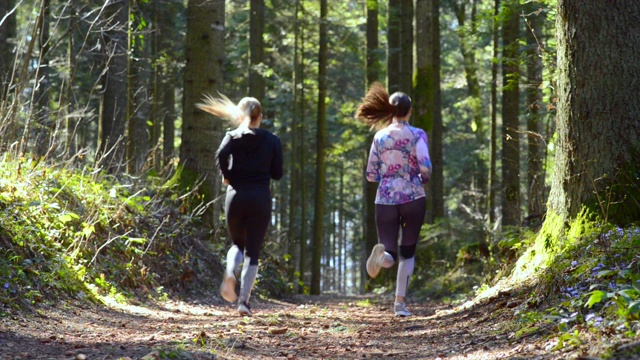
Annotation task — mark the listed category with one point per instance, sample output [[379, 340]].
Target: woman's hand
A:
[[225, 181]]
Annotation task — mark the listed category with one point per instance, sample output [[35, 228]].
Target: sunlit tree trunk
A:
[[256, 49], [510, 112], [113, 110], [44, 128], [201, 133], [598, 131], [321, 136]]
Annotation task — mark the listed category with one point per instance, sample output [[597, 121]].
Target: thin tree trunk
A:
[[393, 46], [45, 124], [256, 49], [294, 168], [321, 136], [373, 65], [493, 180], [303, 179]]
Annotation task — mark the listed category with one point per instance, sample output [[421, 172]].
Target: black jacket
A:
[[250, 157]]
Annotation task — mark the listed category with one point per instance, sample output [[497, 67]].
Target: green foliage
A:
[[74, 232]]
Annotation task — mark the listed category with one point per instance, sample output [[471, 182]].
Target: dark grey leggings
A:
[[248, 212], [391, 218]]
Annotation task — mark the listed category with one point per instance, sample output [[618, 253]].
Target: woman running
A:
[[399, 161], [248, 157]]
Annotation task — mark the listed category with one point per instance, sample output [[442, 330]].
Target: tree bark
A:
[[113, 110], [493, 139], [393, 46], [256, 49], [598, 130], [203, 75], [535, 140], [406, 47], [370, 188], [510, 112], [7, 33], [321, 136]]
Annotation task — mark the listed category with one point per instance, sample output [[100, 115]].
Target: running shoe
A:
[[228, 287], [244, 309], [401, 310], [375, 261]]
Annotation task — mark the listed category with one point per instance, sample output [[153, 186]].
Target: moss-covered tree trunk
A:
[[201, 132], [598, 124], [493, 128], [393, 46]]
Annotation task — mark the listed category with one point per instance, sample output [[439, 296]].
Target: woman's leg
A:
[[384, 253], [259, 216], [412, 217]]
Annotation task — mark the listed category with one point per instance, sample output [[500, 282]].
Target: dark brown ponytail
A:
[[377, 108]]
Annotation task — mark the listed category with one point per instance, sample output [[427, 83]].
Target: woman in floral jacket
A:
[[399, 161]]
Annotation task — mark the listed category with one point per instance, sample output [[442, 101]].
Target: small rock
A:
[[81, 357]]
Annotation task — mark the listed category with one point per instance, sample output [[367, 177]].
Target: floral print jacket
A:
[[399, 160]]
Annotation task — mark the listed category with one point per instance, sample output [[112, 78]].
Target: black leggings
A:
[[389, 219], [248, 213]]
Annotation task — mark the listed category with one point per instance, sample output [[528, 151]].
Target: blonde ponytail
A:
[[223, 108]]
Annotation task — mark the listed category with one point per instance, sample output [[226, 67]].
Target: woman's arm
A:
[[422, 155]]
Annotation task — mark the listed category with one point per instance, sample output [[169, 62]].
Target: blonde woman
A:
[[399, 161], [248, 158]]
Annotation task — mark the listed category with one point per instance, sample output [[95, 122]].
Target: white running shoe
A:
[[400, 309], [228, 287], [375, 261], [244, 309]]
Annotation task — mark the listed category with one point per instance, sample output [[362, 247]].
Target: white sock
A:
[[388, 260], [405, 270], [249, 274], [234, 258]]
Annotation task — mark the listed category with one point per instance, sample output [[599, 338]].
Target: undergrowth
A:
[[75, 232]]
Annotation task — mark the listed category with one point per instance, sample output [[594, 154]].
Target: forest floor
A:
[[303, 327]]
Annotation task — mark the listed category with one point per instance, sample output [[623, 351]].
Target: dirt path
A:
[[307, 327]]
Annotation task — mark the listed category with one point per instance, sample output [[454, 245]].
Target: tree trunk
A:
[[510, 112], [370, 188], [598, 130], [294, 168], [201, 133], [393, 46], [493, 146], [406, 47], [45, 124], [113, 110], [256, 49], [321, 136], [426, 112], [138, 130], [535, 141], [302, 261], [7, 33], [467, 36]]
